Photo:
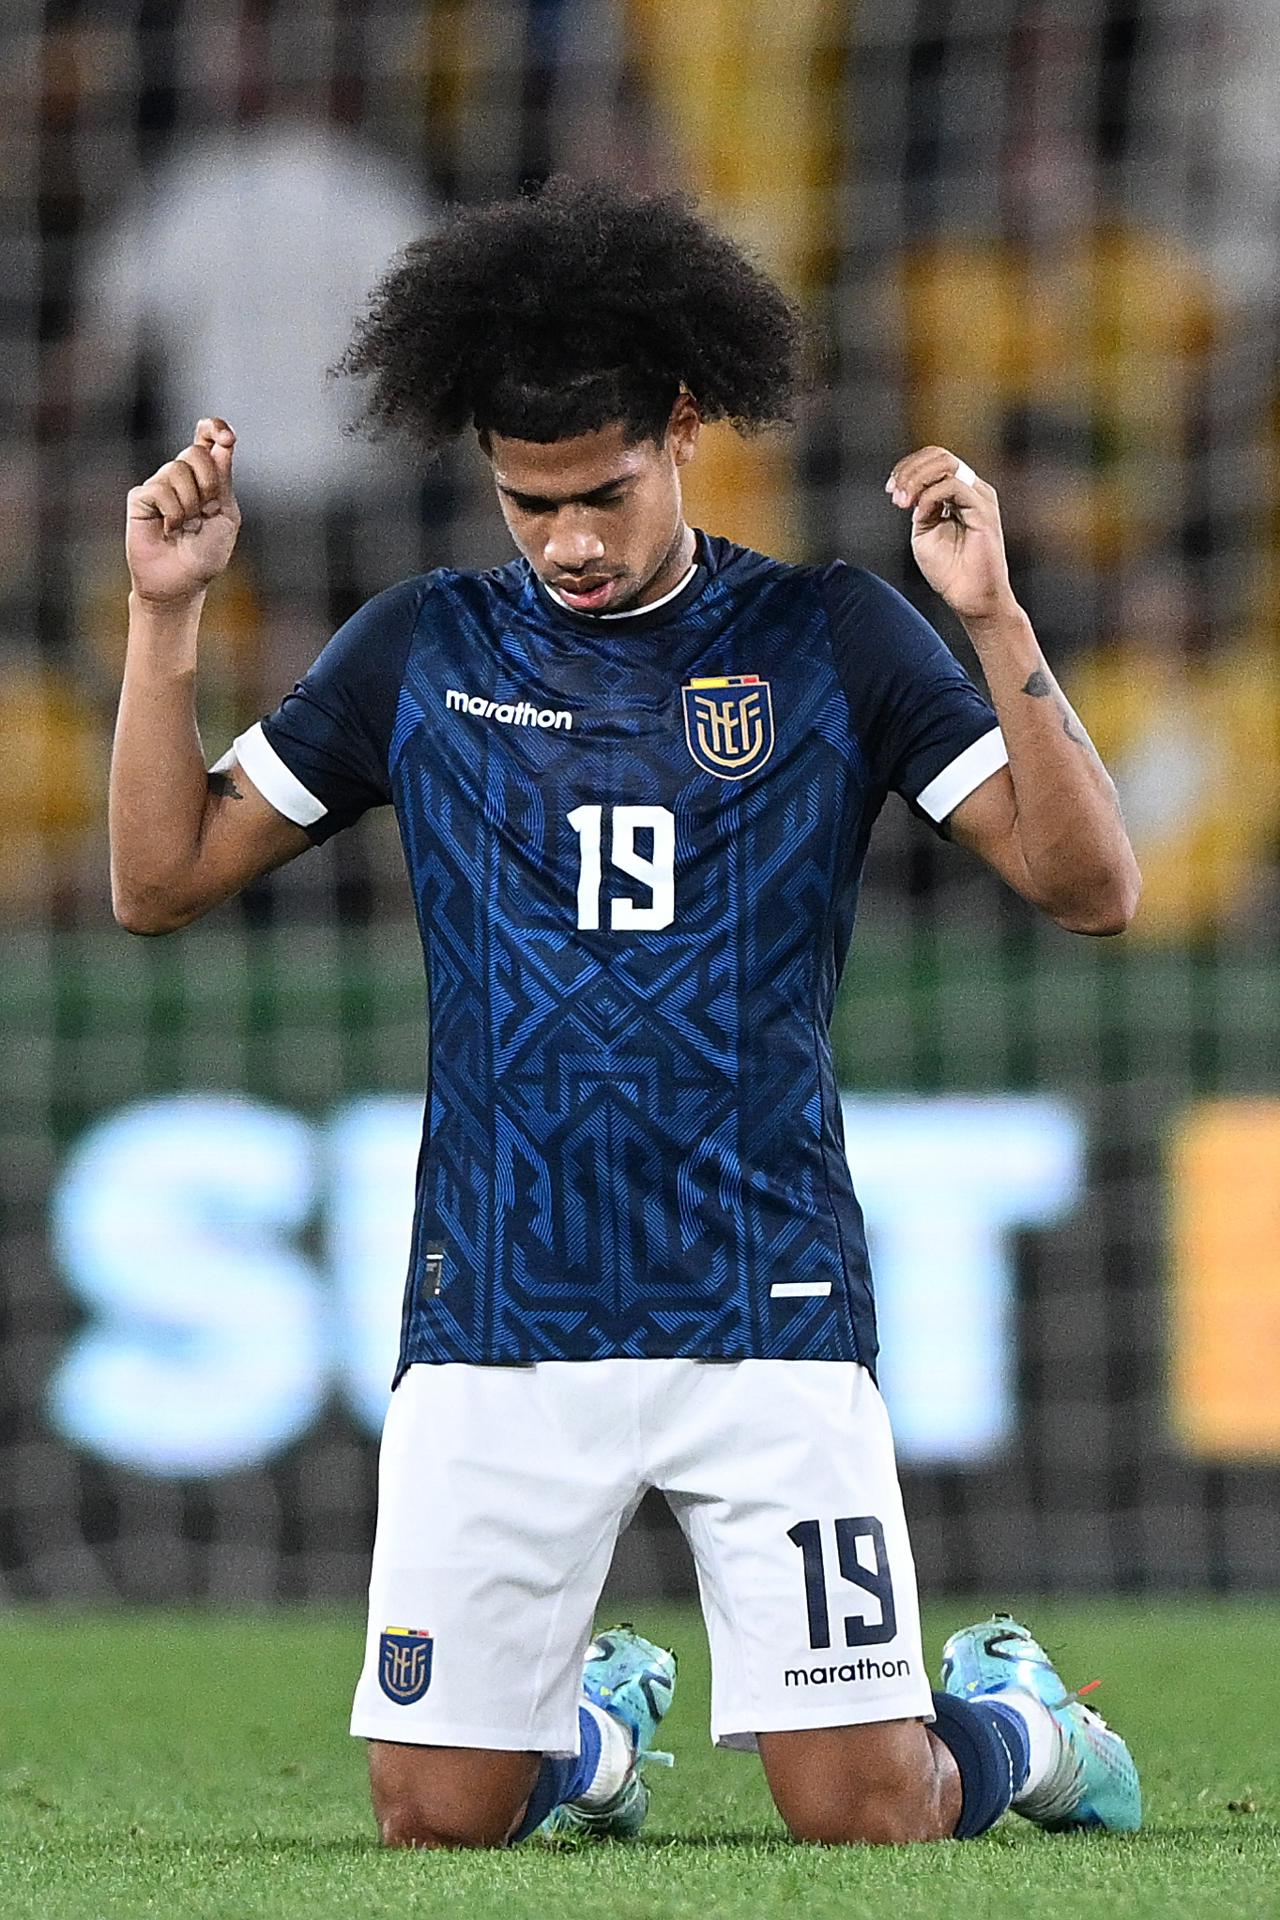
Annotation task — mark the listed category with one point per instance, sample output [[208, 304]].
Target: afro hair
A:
[[561, 312]]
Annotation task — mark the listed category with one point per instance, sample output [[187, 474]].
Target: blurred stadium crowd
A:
[[1047, 237], [1044, 236]]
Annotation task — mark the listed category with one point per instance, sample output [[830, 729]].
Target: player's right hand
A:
[[182, 523]]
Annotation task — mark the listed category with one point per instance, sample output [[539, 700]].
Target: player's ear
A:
[[684, 427]]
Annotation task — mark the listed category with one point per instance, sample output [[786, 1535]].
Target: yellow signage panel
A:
[[1225, 1251]]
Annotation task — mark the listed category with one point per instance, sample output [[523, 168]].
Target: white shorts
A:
[[502, 1492]]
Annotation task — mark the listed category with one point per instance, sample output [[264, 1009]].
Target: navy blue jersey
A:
[[634, 846]]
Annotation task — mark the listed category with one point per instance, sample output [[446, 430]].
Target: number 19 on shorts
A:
[[856, 1541], [655, 870]]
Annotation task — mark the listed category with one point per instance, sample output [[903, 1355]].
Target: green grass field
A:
[[183, 1766]]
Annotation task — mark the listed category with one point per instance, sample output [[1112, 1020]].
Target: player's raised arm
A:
[[182, 839], [1049, 822]]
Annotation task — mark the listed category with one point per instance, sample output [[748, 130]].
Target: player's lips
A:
[[585, 596]]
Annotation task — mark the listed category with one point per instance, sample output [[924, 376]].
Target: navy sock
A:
[[1016, 1738], [562, 1778], [990, 1748]]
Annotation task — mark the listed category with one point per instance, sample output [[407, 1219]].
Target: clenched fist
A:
[[182, 522], [956, 535]]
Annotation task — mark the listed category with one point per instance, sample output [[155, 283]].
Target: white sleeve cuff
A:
[[966, 772], [280, 788]]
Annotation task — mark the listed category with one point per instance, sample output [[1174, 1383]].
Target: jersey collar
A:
[[634, 619]]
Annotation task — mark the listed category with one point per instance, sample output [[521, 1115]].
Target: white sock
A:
[[1044, 1737], [615, 1758]]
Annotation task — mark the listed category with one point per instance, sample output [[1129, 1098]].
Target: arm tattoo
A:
[[224, 787], [1038, 686]]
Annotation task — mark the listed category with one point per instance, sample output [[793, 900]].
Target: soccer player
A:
[[634, 772]]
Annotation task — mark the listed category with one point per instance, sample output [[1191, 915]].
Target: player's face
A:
[[599, 517]]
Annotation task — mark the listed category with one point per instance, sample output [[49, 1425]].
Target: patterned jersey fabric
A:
[[634, 846]]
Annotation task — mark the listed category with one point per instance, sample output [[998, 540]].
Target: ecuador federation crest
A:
[[404, 1663], [729, 724]]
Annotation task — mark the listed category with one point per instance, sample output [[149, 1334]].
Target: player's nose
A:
[[572, 545]]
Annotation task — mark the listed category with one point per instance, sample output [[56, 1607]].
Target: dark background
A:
[[1052, 246]]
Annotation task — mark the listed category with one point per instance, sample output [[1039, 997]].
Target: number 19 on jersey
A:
[[656, 870]]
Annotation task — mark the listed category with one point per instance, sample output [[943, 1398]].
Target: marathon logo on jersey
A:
[[404, 1663], [508, 713], [729, 724]]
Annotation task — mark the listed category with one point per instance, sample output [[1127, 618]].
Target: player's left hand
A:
[[956, 534]]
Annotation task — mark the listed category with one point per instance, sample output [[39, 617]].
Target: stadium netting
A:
[[1046, 242]]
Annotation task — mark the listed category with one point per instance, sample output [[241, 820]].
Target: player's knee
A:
[[892, 1812], [407, 1821], [433, 1798]]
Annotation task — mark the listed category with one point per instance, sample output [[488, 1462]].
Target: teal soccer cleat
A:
[[1095, 1784], [635, 1681]]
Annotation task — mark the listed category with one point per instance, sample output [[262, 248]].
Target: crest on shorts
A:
[[404, 1663], [729, 724]]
